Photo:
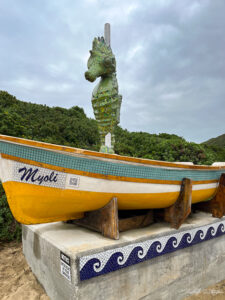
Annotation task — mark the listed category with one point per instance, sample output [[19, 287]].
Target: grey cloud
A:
[[170, 59]]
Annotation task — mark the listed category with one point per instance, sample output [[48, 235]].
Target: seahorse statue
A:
[[106, 101]]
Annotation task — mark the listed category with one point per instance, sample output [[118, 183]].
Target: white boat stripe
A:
[[84, 183], [113, 186]]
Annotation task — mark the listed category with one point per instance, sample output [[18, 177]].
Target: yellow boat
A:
[[46, 183]]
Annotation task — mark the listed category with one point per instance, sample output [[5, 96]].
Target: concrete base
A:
[[167, 274]]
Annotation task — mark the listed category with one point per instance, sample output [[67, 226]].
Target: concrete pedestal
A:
[[155, 262]]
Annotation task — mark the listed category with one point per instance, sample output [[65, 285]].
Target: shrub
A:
[[10, 229]]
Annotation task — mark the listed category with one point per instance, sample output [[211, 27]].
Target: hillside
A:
[[218, 141], [72, 127], [54, 125]]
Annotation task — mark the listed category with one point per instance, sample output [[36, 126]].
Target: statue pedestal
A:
[[155, 262]]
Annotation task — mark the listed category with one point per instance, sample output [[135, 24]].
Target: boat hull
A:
[[54, 205], [47, 184]]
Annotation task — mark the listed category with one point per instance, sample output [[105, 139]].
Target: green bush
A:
[[9, 229], [166, 147]]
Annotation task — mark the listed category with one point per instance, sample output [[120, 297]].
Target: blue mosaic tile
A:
[[118, 258]]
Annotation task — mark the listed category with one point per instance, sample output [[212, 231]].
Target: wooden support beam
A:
[[179, 211], [104, 220], [136, 221], [216, 206]]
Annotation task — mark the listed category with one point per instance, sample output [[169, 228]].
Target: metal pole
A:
[[107, 34], [108, 137]]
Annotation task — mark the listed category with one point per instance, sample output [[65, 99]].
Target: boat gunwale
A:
[[115, 157], [101, 176]]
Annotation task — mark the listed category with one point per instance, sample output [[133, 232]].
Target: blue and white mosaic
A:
[[39, 176], [118, 258]]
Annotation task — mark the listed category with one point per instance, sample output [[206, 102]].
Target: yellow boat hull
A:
[[50, 204]]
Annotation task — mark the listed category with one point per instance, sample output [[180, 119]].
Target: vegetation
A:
[[54, 125], [9, 228], [218, 141], [167, 147], [72, 127]]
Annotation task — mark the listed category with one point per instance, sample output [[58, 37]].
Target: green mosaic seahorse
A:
[[106, 101]]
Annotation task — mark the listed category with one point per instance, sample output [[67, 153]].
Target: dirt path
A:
[[16, 279], [18, 282]]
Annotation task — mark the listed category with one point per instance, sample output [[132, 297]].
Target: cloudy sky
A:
[[170, 59]]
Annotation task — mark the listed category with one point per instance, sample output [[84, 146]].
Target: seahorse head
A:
[[101, 61]]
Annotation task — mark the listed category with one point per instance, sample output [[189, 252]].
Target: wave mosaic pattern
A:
[[118, 258]]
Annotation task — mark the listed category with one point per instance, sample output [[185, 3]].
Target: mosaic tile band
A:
[[115, 259], [105, 167]]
